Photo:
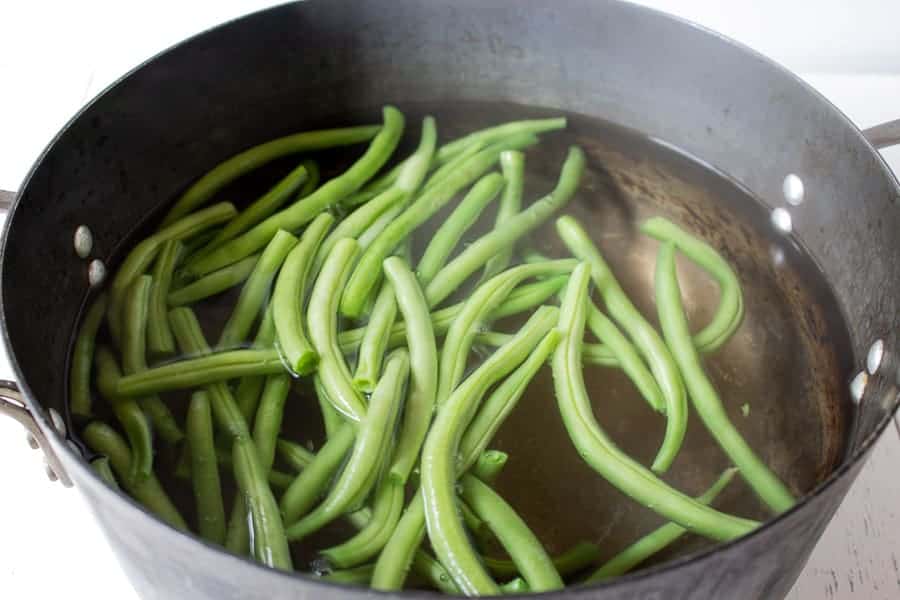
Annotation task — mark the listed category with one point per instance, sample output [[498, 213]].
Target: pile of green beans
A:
[[315, 282]]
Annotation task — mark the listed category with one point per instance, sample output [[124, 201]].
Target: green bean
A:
[[512, 164], [573, 560], [128, 412], [371, 539], [371, 233], [214, 283], [597, 354], [442, 172], [200, 371], [269, 416], [498, 406], [159, 336], [312, 481], [205, 470], [526, 551], [146, 490], [471, 319], [294, 454], [298, 214], [270, 545], [331, 418], [322, 319], [375, 339], [705, 399], [398, 554], [80, 399], [279, 480], [730, 311], [313, 177], [256, 290], [627, 357], [355, 576], [250, 387], [428, 568], [656, 540], [599, 451], [373, 441], [644, 336], [499, 132], [244, 162], [260, 208], [104, 471], [490, 462], [515, 586], [487, 246], [424, 363], [438, 461], [454, 227], [190, 340], [140, 257], [367, 272], [478, 529], [290, 294]]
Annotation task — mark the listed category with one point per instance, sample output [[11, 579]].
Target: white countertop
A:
[[49, 537]]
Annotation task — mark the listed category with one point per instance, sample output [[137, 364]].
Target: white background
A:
[[54, 56]]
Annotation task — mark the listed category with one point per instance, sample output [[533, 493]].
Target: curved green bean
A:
[[420, 400], [526, 551], [438, 461], [644, 336], [101, 466], [372, 538], [394, 562], [599, 451], [442, 172], [200, 371], [367, 272], [490, 462], [205, 470], [290, 294], [159, 336], [294, 454], [312, 481], [244, 162], [80, 399], [656, 540], [373, 441], [512, 164], [256, 290], [354, 576], [260, 208], [488, 245], [322, 318], [298, 214], [375, 339], [270, 545], [313, 177], [146, 490], [454, 227], [706, 401], [499, 132], [730, 311], [573, 560], [214, 283]]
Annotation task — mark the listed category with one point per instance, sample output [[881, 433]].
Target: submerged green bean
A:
[[499, 132], [250, 304], [573, 560], [375, 339], [214, 283], [205, 470], [80, 399], [420, 400], [705, 399], [244, 162], [484, 248], [146, 490], [160, 341], [656, 540], [104, 471], [394, 562], [250, 386], [644, 336], [300, 213], [290, 294], [294, 454], [512, 163], [269, 417], [599, 451], [490, 462], [526, 551]]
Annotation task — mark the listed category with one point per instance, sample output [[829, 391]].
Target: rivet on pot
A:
[[875, 356], [781, 219], [858, 386], [84, 241], [792, 188], [96, 272], [58, 422]]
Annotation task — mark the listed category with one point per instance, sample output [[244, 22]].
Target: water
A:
[[782, 363]]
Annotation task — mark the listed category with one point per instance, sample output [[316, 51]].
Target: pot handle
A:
[[12, 405], [884, 134]]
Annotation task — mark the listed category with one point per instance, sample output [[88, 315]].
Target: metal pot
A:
[[301, 65]]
